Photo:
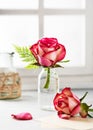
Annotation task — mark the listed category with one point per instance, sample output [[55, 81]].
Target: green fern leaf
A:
[[25, 54], [31, 66]]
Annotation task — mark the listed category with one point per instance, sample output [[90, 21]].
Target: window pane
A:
[[19, 30], [80, 4], [70, 31], [18, 4]]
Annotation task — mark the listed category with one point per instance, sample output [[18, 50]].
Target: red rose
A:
[[48, 51], [66, 103]]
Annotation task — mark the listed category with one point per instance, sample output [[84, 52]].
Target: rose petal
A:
[[60, 103], [44, 62], [61, 52], [67, 91], [56, 98], [56, 55], [48, 42], [47, 45], [72, 103], [66, 110], [22, 116], [63, 116], [51, 56], [40, 50], [76, 110], [46, 49], [34, 50], [76, 98]]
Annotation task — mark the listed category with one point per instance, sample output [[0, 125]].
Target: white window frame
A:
[[80, 77]]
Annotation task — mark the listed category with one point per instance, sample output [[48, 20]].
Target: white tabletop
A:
[[27, 103]]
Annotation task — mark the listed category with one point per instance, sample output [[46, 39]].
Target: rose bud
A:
[[84, 109]]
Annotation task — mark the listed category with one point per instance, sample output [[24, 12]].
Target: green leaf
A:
[[28, 59], [58, 65], [25, 54], [90, 110], [90, 115], [65, 61], [31, 66], [81, 99]]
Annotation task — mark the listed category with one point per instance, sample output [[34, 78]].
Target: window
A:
[[23, 22]]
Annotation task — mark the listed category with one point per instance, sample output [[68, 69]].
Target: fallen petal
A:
[[22, 116]]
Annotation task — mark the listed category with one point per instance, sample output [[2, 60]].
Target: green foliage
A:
[[31, 66], [65, 61], [58, 65], [27, 56]]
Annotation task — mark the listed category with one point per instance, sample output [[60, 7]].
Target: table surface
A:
[[28, 103]]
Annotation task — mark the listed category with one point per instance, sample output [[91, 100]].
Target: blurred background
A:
[[24, 22]]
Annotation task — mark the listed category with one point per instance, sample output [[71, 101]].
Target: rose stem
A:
[[48, 78]]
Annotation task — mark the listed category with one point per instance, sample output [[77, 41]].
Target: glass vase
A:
[[48, 86]]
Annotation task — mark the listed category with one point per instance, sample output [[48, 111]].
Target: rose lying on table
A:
[[68, 104]]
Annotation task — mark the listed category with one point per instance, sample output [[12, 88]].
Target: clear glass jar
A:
[[6, 61], [48, 86], [10, 81]]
